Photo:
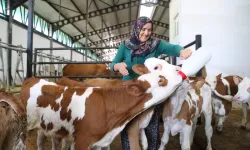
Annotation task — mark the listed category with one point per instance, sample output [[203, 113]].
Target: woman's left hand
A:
[[185, 53]]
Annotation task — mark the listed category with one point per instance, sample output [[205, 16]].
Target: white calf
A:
[[243, 96]]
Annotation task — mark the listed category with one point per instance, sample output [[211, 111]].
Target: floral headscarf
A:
[[133, 43]]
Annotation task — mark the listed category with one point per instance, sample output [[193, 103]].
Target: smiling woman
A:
[[135, 50]]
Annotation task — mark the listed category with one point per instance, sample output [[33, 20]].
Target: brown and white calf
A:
[[135, 127], [224, 88], [181, 111], [243, 96], [94, 116], [12, 122]]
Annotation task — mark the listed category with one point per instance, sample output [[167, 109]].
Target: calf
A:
[[12, 122], [224, 89], [181, 112], [243, 96], [86, 69], [94, 116]]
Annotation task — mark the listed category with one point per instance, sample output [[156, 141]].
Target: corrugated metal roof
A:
[[109, 20]]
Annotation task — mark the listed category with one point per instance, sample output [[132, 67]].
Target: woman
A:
[[135, 50]]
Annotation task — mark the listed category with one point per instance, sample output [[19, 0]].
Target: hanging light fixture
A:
[[149, 3]]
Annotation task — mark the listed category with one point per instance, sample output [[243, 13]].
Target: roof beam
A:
[[101, 18], [74, 39], [129, 13], [114, 27], [16, 3], [164, 11], [72, 24], [117, 21], [127, 35], [61, 23]]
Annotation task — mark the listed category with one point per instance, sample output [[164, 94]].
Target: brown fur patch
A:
[[227, 105], [50, 93], [49, 126], [233, 86], [223, 89], [167, 109], [25, 89], [68, 82], [86, 69], [42, 124], [62, 132], [186, 113]]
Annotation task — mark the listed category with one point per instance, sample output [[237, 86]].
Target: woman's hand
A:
[[185, 53], [121, 67]]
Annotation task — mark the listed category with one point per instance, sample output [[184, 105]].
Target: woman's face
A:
[[145, 32]]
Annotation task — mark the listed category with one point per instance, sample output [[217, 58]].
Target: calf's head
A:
[[243, 94], [14, 112], [162, 77]]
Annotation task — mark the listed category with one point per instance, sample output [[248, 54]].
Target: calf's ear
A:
[[218, 77], [140, 69], [237, 79], [135, 89], [248, 89]]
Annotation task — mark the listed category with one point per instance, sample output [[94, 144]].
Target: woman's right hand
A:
[[121, 67]]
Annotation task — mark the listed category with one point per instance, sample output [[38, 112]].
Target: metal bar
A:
[[117, 19], [73, 48], [101, 16], [79, 62], [105, 3], [9, 53], [90, 76], [162, 14], [71, 55], [51, 39], [16, 3], [61, 6], [102, 35], [30, 39], [190, 44], [35, 59], [65, 17], [86, 28], [10, 45], [129, 13], [198, 44], [55, 58], [117, 2], [83, 35], [13, 48]]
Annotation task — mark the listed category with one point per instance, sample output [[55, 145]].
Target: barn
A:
[[78, 45]]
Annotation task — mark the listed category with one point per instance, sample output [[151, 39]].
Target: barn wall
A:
[[225, 29], [174, 8]]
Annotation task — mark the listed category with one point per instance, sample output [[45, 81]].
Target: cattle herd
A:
[[90, 114]]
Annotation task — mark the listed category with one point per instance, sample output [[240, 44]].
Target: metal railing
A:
[[35, 63], [8, 81]]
